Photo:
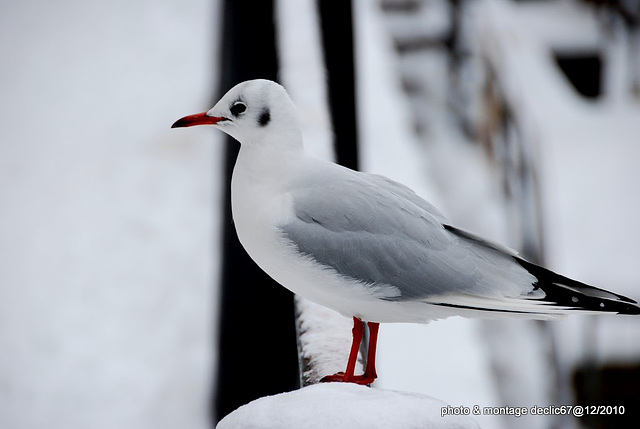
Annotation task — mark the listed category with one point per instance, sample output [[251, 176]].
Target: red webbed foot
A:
[[370, 374], [340, 377]]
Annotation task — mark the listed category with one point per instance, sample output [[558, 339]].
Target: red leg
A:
[[347, 376], [370, 372]]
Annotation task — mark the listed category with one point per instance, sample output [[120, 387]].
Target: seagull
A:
[[367, 246]]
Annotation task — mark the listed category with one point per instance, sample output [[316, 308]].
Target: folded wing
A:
[[373, 230]]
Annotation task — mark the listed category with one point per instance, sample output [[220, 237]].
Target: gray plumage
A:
[[371, 229]]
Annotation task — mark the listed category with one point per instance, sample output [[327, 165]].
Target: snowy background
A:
[[107, 238], [109, 220]]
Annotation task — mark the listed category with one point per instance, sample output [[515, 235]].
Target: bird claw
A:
[[339, 377]]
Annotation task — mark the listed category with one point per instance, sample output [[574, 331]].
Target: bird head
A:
[[255, 112]]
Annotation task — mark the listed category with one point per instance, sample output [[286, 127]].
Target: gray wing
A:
[[374, 230]]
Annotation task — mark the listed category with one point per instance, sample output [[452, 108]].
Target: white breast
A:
[[261, 202]]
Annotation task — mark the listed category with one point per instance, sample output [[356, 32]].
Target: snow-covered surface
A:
[[324, 341], [107, 219], [344, 405], [560, 24]]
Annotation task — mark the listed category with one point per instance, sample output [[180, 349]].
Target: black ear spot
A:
[[238, 108], [265, 117]]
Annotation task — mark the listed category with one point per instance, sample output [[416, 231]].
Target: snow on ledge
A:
[[324, 341], [344, 405]]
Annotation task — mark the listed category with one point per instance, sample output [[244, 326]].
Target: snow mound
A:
[[344, 405]]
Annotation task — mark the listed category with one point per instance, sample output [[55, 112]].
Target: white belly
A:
[[259, 207]]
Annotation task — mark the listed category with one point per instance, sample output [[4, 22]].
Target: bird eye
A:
[[238, 108]]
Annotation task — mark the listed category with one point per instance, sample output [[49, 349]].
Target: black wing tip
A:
[[631, 309], [610, 306], [566, 292]]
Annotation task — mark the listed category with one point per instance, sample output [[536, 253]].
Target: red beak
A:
[[197, 119]]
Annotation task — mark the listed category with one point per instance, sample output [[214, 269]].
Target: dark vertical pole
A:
[[257, 353], [336, 19]]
